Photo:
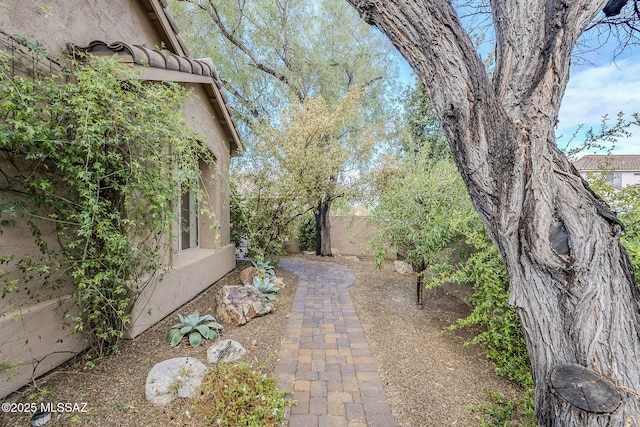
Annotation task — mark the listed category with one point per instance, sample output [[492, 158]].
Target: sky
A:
[[602, 89], [597, 87]]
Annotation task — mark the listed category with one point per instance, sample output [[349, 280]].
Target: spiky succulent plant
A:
[[196, 326]]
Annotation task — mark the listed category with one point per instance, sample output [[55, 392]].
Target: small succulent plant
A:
[[265, 286], [265, 269], [196, 326]]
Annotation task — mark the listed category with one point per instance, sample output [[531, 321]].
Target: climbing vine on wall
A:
[[100, 156]]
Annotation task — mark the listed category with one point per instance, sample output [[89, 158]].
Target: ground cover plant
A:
[[240, 395]]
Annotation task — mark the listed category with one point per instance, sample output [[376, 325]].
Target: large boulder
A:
[[177, 377], [237, 305], [247, 275], [225, 351]]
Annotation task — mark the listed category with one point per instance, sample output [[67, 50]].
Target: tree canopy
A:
[[281, 58]]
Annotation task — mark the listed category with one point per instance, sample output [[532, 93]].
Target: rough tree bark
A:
[[571, 281], [323, 238]]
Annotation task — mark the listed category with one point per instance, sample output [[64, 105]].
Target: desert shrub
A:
[[500, 411], [239, 395], [501, 335], [423, 212], [307, 233], [626, 204]]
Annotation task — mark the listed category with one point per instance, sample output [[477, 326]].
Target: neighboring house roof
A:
[[608, 162]]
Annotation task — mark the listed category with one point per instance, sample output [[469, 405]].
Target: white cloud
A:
[[598, 91]]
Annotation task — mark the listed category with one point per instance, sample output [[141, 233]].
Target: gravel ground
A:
[[429, 376], [115, 390]]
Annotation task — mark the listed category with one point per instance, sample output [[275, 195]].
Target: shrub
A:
[[502, 336], [307, 234], [196, 326], [500, 411], [238, 395]]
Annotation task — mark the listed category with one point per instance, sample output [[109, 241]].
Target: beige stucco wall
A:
[[32, 330], [54, 23], [350, 236]]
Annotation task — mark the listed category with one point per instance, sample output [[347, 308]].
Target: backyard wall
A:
[[350, 236]]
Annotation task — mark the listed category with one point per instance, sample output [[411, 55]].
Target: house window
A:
[[188, 220], [614, 178]]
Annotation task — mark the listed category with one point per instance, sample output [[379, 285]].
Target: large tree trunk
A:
[[570, 279], [323, 227]]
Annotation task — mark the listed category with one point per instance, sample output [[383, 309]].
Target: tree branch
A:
[[213, 13]]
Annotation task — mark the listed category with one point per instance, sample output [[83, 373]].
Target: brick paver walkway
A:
[[324, 357]]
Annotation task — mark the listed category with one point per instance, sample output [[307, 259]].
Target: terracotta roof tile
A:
[[175, 58], [162, 59], [619, 162], [143, 55]]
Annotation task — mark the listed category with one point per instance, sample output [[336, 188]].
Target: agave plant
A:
[[265, 268], [265, 286], [196, 327]]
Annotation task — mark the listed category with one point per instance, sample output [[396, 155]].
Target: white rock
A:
[[177, 377], [402, 267], [225, 351]]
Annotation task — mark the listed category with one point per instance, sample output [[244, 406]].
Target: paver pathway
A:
[[324, 357]]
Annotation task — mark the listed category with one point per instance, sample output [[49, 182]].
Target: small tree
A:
[[276, 54], [312, 159]]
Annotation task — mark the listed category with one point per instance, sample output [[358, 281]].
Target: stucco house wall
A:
[[32, 337]]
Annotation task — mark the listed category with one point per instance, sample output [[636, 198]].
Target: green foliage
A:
[[238, 395], [196, 327], [424, 135], [281, 51], [283, 63], [101, 156], [307, 233], [626, 203], [423, 210], [298, 166], [8, 370], [264, 285], [502, 336], [260, 219], [501, 411]]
